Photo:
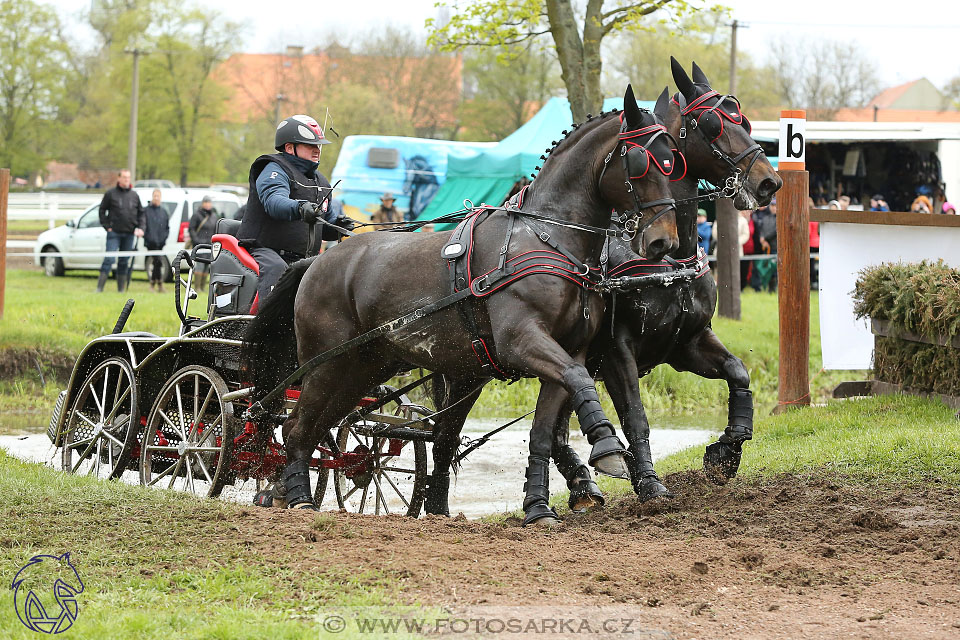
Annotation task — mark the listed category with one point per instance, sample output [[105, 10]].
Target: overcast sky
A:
[[907, 40]]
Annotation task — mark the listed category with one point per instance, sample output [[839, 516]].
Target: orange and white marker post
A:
[[793, 262]]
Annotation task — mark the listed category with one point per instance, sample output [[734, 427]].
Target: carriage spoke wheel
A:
[[188, 440], [394, 477], [103, 421]]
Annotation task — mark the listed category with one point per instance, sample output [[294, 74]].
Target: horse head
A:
[[717, 141], [638, 174], [34, 583]]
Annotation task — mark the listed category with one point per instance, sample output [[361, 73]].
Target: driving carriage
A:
[[173, 410]]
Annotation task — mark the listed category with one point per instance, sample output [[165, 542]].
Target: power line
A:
[[847, 25]]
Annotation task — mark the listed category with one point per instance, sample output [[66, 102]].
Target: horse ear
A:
[[663, 104], [631, 110], [698, 76], [681, 78]]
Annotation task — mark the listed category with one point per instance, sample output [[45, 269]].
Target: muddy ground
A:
[[787, 557]]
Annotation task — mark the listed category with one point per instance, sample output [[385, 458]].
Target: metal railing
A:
[[53, 207]]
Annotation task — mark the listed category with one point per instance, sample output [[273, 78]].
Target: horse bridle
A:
[[631, 218], [733, 183]]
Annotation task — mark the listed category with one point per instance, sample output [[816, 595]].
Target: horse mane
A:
[[574, 133]]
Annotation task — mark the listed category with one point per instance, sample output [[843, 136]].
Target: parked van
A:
[[412, 169], [84, 240]]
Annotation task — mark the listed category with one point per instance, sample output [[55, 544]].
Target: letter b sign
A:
[[793, 129]]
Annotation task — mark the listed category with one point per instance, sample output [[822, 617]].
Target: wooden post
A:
[[4, 191], [728, 260], [793, 264]]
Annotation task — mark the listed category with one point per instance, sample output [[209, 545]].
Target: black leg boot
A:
[[645, 482], [608, 454], [102, 280], [438, 492], [296, 478], [721, 461], [537, 487]]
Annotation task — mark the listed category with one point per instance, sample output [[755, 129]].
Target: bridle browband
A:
[[733, 182]]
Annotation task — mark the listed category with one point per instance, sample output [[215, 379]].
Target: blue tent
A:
[[487, 176]]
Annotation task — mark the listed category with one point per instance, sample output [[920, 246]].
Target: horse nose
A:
[[769, 186], [660, 248]]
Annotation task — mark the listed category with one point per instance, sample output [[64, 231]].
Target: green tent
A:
[[488, 176]]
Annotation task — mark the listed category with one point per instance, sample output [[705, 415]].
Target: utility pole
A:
[[733, 58], [728, 242], [134, 109]]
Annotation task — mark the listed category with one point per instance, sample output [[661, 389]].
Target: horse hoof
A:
[[613, 465], [584, 503], [541, 515], [653, 489], [721, 461], [304, 506]]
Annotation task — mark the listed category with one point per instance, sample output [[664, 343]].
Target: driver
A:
[[287, 194]]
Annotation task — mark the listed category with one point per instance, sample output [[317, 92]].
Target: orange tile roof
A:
[[888, 96]]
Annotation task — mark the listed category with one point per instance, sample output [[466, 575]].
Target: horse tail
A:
[[269, 350]]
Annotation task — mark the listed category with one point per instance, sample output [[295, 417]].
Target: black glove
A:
[[345, 223], [310, 212]]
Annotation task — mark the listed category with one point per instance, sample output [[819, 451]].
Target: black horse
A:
[[647, 327], [541, 325]]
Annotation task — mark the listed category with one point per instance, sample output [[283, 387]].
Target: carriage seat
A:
[[233, 274]]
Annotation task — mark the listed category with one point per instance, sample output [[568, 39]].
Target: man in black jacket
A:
[[156, 230], [121, 215]]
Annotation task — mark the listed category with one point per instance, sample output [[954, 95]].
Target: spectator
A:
[[833, 204], [814, 249], [155, 236], [203, 225], [387, 212], [844, 202], [743, 233], [921, 204], [949, 209], [121, 214], [765, 235], [877, 203], [746, 249], [703, 231]]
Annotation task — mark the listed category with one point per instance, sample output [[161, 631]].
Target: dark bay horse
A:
[[541, 324], [668, 324]]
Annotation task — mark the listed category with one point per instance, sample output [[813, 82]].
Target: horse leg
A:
[[619, 369], [447, 439], [536, 500], [317, 412], [584, 492], [707, 357]]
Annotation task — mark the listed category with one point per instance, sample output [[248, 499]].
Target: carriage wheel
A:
[[188, 440], [394, 479], [103, 421]]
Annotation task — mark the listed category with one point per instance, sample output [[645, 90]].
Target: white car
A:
[[84, 240]]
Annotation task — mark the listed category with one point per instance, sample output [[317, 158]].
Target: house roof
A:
[[886, 98]]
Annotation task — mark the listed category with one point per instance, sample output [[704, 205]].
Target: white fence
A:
[[52, 207]]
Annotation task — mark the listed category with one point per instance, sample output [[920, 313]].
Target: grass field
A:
[[58, 316], [160, 564]]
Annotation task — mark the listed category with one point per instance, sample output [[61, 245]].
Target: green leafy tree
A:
[[640, 57], [577, 33], [34, 60], [502, 93]]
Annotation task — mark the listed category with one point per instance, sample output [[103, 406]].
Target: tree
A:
[[823, 76], [577, 38], [34, 65], [638, 57], [501, 94]]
